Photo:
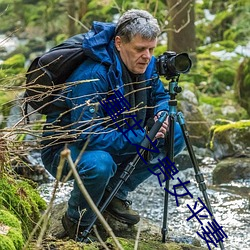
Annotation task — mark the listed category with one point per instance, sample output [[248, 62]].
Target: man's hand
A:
[[164, 128]]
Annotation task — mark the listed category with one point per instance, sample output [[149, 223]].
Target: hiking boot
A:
[[75, 231], [121, 211]]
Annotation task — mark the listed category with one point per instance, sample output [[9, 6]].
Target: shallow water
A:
[[230, 203]]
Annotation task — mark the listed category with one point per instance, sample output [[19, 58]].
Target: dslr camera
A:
[[171, 65]]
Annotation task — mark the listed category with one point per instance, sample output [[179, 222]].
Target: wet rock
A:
[[31, 167], [197, 125], [183, 160], [231, 169]]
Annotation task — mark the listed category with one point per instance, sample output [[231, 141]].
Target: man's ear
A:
[[118, 42]]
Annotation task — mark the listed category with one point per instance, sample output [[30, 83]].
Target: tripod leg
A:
[[170, 154], [125, 175], [198, 175], [164, 229]]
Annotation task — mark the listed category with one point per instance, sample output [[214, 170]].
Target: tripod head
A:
[[174, 89]]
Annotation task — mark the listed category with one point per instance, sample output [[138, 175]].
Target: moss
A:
[[221, 132], [13, 239], [93, 246], [225, 75], [214, 101], [235, 125], [219, 102], [16, 237], [6, 243], [21, 199], [128, 244], [229, 45], [13, 71], [174, 246], [9, 219], [16, 61], [221, 122]]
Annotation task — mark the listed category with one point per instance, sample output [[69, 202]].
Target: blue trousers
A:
[[99, 171]]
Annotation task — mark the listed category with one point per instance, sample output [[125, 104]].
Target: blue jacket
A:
[[86, 119]]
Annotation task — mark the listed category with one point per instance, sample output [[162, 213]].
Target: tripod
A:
[[128, 170], [173, 90]]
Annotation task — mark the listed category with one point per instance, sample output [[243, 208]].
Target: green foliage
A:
[[221, 23], [214, 101], [48, 20], [60, 38], [224, 75], [229, 23], [5, 97], [12, 67], [218, 103], [216, 67], [160, 49], [17, 61]]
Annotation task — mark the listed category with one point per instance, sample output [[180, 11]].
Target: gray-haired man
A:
[[121, 58]]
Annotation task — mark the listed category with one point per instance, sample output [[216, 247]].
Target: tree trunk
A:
[[181, 27], [83, 7], [71, 6]]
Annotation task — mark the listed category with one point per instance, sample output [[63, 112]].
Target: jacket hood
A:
[[98, 43]]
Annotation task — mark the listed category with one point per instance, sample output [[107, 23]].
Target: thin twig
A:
[[137, 236], [66, 154], [99, 238], [77, 21]]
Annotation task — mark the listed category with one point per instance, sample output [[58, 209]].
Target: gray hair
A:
[[137, 22]]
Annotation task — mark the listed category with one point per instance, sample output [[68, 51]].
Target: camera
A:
[[171, 65]]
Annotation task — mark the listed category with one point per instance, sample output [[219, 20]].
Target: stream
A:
[[230, 203]]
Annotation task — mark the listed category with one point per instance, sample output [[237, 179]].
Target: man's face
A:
[[137, 53]]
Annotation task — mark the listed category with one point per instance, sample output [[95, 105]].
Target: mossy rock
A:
[[150, 235], [11, 237], [128, 244], [22, 200], [231, 139]]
